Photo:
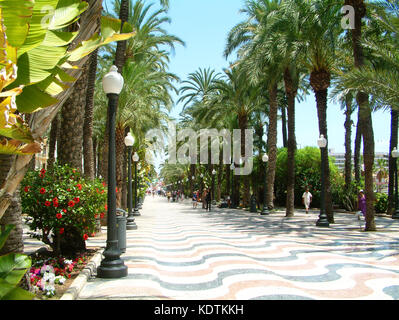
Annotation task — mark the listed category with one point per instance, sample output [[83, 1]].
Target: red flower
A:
[[71, 203], [55, 204], [76, 199], [59, 215], [106, 207], [69, 190], [104, 184], [96, 216], [55, 200], [42, 171], [85, 236], [102, 214], [64, 210], [26, 189], [47, 203], [79, 186], [62, 230], [42, 191]]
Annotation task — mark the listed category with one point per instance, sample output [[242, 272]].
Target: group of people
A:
[[361, 202], [205, 198], [175, 195]]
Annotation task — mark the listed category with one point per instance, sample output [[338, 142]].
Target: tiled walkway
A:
[[181, 253]]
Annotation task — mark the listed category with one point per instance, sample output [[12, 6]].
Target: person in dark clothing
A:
[[208, 200]]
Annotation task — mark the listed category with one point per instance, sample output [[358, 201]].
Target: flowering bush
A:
[[62, 206]]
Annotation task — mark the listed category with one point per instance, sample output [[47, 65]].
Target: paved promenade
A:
[[180, 253]]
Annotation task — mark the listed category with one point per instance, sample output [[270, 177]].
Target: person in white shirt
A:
[[307, 199]]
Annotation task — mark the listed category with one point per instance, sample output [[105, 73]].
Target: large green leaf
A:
[[110, 31], [16, 17], [13, 267], [67, 12], [33, 99], [43, 12], [11, 292], [4, 234]]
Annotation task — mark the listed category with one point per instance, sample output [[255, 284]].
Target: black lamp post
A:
[[140, 200], [265, 210], [395, 155], [323, 221], [131, 224], [112, 265], [213, 186], [136, 208]]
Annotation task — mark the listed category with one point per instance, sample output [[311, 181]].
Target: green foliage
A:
[[61, 199], [13, 267], [307, 174], [381, 203]]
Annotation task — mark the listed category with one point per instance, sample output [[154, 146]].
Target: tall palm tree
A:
[[318, 36], [258, 57], [364, 113]]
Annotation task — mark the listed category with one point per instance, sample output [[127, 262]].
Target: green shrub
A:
[[63, 206], [307, 174], [381, 203]]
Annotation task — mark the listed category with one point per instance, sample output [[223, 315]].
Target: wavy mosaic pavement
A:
[[181, 253]]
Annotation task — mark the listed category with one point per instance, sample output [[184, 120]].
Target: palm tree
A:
[[364, 113], [257, 56], [319, 32]]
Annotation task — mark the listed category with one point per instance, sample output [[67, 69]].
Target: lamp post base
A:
[[112, 266], [322, 222], [131, 225], [136, 212], [396, 214], [114, 269], [265, 211]]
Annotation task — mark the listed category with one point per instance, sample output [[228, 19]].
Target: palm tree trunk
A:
[[365, 115], [321, 100], [120, 152], [284, 126], [72, 122], [54, 133], [291, 91], [391, 163], [348, 142], [243, 125], [13, 214], [88, 154], [272, 146], [358, 143]]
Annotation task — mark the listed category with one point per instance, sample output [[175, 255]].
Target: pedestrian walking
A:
[[361, 203], [208, 200], [168, 195], [307, 199], [203, 199]]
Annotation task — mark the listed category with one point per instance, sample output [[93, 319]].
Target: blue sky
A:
[[204, 24]]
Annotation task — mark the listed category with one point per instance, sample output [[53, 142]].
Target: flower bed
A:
[[49, 277]]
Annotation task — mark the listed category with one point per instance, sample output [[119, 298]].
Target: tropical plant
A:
[[33, 31], [13, 267]]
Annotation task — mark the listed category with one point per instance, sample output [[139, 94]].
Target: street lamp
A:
[[265, 210], [140, 200], [131, 225], [395, 155], [112, 265], [213, 186], [135, 160], [323, 221]]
